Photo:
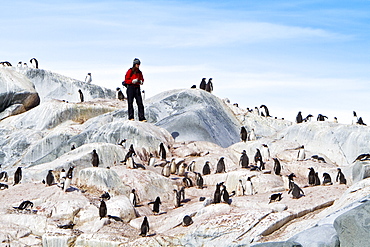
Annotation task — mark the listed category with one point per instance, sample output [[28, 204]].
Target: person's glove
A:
[[135, 81]]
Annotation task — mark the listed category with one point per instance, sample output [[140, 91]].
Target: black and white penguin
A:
[[34, 63], [199, 180], [277, 166], [177, 198], [18, 176], [88, 78], [173, 167], [321, 117], [50, 178], [102, 209], [156, 204], [3, 186], [182, 193], [166, 170], [217, 194], [340, 177], [360, 121], [275, 197], [296, 191], [362, 157], [252, 135], [187, 220], [81, 95], [4, 176], [311, 176], [267, 113], [95, 159], [105, 196], [187, 181], [249, 188], [133, 198], [291, 180], [225, 194], [191, 166], [317, 179], [151, 161], [19, 65], [354, 119], [301, 153], [327, 179], [299, 118], [181, 169], [162, 151], [144, 227], [244, 160], [257, 156], [68, 179], [209, 86], [206, 168], [240, 191], [120, 95], [203, 84], [243, 134], [25, 65], [265, 151], [24, 205], [308, 118], [220, 168]]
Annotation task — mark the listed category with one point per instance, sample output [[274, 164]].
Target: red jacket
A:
[[131, 76]]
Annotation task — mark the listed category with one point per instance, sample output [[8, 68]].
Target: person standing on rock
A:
[[133, 79]]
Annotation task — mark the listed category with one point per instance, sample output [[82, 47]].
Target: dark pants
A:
[[134, 93]]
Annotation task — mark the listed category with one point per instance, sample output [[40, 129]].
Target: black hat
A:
[[136, 61]]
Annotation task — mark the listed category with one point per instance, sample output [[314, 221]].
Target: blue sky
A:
[[310, 56]]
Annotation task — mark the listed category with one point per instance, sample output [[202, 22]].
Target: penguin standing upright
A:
[[88, 78], [50, 178], [301, 153], [81, 95], [299, 117], [265, 152], [296, 191], [95, 159], [156, 204], [34, 63], [144, 227], [217, 194], [340, 177], [209, 86], [18, 176], [277, 166], [203, 84], [206, 168], [225, 194], [221, 166], [162, 151], [134, 199], [243, 134], [249, 189], [240, 191], [311, 176], [102, 209], [244, 160], [199, 180]]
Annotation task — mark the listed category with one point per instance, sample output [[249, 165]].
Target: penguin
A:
[[34, 63], [301, 153], [199, 180], [362, 157], [19, 65], [355, 119], [191, 166], [173, 167], [81, 95], [203, 84], [327, 179], [308, 118], [311, 176], [317, 179], [256, 111], [360, 121], [62, 174], [240, 191], [24, 65], [133, 198], [24, 205], [243, 134], [299, 118], [182, 169], [267, 113], [265, 153], [50, 178], [73, 147], [321, 117], [102, 209], [177, 198], [151, 161], [340, 177], [120, 95], [182, 193], [166, 170], [105, 195], [296, 191], [290, 180], [249, 188], [277, 166], [17, 176], [335, 120], [217, 194], [225, 194], [95, 159], [130, 163], [206, 169], [4, 176], [194, 86], [88, 78], [209, 85], [220, 166], [275, 197], [187, 181], [244, 160], [162, 151], [68, 179], [3, 186], [156, 204], [144, 227], [143, 94], [252, 136], [187, 220], [257, 156]]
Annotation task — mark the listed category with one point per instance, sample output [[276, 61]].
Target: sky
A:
[[311, 56]]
